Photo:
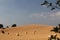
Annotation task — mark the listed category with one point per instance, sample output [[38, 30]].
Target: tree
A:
[[51, 5], [1, 25], [14, 25]]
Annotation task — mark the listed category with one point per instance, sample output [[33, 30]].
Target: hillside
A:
[[27, 32]]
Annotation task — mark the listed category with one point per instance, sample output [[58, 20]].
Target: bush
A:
[[55, 29], [14, 25], [58, 24], [1, 25], [7, 26], [3, 32]]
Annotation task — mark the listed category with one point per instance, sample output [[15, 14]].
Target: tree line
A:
[[2, 26]]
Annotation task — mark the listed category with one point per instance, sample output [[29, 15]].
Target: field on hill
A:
[[27, 32]]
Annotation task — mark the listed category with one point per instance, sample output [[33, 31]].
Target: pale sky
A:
[[22, 12]]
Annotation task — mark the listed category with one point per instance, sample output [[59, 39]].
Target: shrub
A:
[[1, 25], [14, 25], [7, 26], [8, 33], [59, 25], [17, 34], [3, 32], [55, 29]]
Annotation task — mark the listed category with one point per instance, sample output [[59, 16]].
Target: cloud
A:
[[45, 15], [45, 18], [37, 15], [55, 14]]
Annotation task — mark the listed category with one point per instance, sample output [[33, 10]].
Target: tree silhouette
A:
[[14, 25], [1, 25], [53, 5], [55, 29]]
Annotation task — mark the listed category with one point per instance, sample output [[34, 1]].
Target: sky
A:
[[23, 12]]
